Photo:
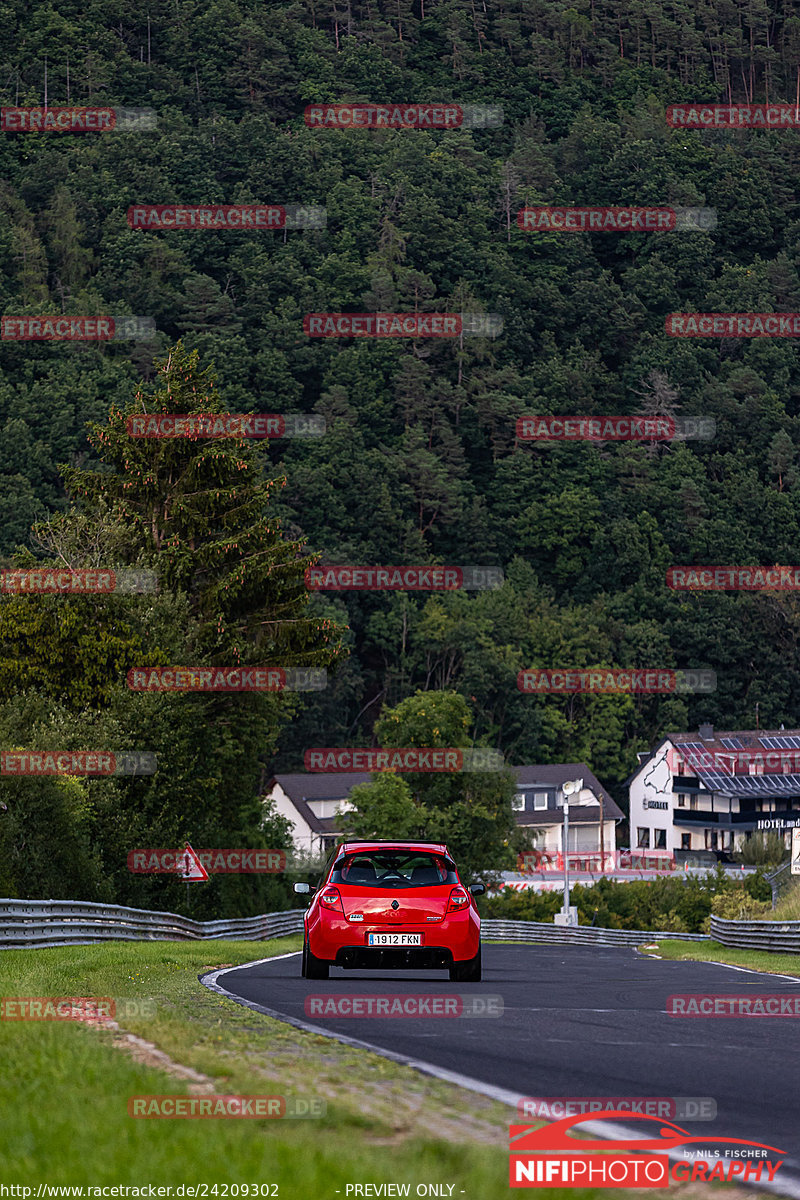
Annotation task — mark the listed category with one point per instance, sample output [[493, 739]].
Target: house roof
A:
[[721, 746], [301, 787], [554, 774]]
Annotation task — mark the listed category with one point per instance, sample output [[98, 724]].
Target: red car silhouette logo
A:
[[523, 1139]]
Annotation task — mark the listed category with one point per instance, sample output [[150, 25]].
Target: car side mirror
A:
[[477, 889], [302, 888]]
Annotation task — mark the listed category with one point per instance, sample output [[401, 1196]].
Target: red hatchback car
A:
[[390, 905]]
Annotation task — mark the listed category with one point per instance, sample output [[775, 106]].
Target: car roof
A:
[[398, 844]]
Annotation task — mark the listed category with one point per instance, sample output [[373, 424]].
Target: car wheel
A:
[[467, 972], [303, 962], [316, 968]]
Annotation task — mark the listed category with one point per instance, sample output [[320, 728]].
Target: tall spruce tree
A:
[[196, 509]]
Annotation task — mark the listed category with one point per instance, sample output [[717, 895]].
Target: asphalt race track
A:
[[583, 1022]]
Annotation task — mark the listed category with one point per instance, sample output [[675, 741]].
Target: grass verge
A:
[[756, 960], [64, 1089]]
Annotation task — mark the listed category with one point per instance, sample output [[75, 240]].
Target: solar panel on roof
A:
[[732, 743], [768, 784], [691, 745]]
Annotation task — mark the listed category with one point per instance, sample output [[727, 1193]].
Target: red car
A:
[[390, 905]]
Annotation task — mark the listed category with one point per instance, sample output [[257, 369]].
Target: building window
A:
[[686, 841], [518, 803], [643, 839], [693, 802], [681, 800], [660, 842], [712, 839], [540, 800]]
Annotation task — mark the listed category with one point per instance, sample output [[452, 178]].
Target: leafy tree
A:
[[470, 810], [384, 808]]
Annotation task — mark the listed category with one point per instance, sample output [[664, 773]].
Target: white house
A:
[[314, 802], [707, 792], [592, 819]]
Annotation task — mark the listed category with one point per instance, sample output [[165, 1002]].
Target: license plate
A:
[[394, 939]]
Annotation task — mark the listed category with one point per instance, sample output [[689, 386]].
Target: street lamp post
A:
[[565, 843], [572, 787]]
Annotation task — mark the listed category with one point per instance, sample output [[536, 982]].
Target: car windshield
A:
[[394, 869]]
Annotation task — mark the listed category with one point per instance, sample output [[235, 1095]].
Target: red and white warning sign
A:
[[189, 867]]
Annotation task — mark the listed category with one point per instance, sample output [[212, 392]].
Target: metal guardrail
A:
[[42, 923], [758, 935], [575, 935], [63, 922]]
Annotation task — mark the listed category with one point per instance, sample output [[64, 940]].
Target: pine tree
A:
[[197, 511]]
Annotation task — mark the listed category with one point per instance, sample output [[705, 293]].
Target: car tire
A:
[[303, 962], [314, 968], [467, 972]]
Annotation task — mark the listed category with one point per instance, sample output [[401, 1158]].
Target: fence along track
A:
[[42, 923], [575, 935], [45, 923], [63, 922], [777, 936]]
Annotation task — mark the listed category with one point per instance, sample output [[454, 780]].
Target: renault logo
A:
[[395, 904]]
